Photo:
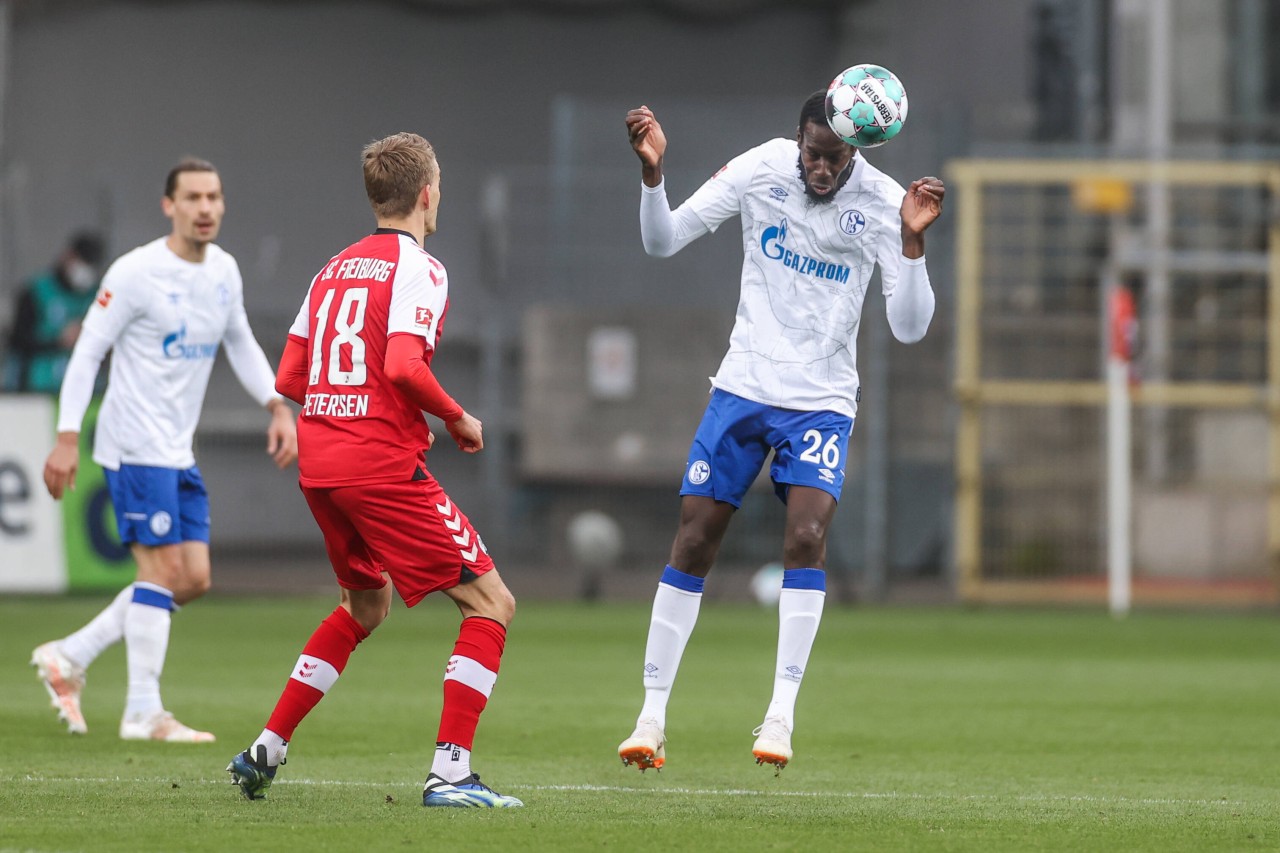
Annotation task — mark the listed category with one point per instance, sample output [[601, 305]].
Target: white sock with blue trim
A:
[[146, 637], [804, 591], [675, 612], [103, 631]]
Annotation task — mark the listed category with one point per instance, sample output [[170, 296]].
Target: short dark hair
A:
[[186, 164], [88, 246], [814, 109]]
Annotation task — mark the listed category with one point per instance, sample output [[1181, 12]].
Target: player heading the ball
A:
[[816, 218]]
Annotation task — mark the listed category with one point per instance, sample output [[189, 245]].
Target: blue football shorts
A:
[[159, 506], [736, 435]]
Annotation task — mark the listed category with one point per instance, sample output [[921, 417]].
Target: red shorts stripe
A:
[[410, 530]]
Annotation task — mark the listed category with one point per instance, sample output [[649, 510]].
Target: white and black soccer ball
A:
[[866, 105]]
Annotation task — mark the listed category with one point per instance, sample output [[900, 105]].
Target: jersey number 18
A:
[[346, 333]]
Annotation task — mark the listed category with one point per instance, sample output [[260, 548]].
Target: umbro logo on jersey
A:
[[826, 475], [778, 192], [423, 317]]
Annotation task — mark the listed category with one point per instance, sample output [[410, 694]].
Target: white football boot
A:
[[773, 742], [161, 726], [63, 680], [647, 746]]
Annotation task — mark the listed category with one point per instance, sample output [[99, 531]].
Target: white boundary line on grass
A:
[[698, 792]]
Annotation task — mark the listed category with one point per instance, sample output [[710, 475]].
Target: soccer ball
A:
[[866, 105], [766, 584]]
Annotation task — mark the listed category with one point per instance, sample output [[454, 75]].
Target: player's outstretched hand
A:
[[922, 204], [282, 436], [468, 433], [60, 467], [647, 139]]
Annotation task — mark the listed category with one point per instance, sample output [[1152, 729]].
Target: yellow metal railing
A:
[[969, 180]]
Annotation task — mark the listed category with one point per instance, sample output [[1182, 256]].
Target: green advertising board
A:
[[96, 561]]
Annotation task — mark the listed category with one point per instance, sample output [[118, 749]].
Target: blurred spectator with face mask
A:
[[49, 310]]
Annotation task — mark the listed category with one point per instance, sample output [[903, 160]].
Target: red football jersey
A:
[[356, 426]]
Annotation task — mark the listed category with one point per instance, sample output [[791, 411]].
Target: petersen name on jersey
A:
[[356, 427]]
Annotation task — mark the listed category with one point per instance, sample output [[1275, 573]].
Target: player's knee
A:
[[192, 588], [370, 617], [502, 606], [693, 551], [497, 604], [806, 544]]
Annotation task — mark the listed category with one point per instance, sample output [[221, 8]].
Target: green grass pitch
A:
[[919, 729]]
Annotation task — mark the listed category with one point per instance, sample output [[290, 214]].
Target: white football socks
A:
[[452, 763], [799, 613], [675, 612], [104, 630], [276, 746], [146, 637]]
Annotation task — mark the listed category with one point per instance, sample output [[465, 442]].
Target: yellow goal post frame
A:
[[967, 180]]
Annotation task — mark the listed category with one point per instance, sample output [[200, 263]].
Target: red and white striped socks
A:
[[468, 681], [318, 667]]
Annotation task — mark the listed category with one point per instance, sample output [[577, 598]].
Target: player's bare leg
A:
[[703, 523], [809, 514]]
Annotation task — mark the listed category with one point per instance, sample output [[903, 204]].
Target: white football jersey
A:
[[805, 269], [165, 319]]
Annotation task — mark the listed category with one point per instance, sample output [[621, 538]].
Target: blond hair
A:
[[395, 171]]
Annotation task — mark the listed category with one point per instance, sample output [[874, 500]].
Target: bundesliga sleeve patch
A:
[[423, 317], [104, 298]]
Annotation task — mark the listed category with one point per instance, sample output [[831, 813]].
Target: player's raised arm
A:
[[649, 143], [920, 207], [662, 230]]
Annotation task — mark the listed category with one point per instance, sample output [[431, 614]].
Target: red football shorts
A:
[[411, 531]]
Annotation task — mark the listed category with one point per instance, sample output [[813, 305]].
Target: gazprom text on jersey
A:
[[771, 246], [337, 405]]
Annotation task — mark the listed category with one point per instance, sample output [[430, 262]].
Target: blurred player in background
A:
[[163, 311], [358, 360], [816, 217]]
